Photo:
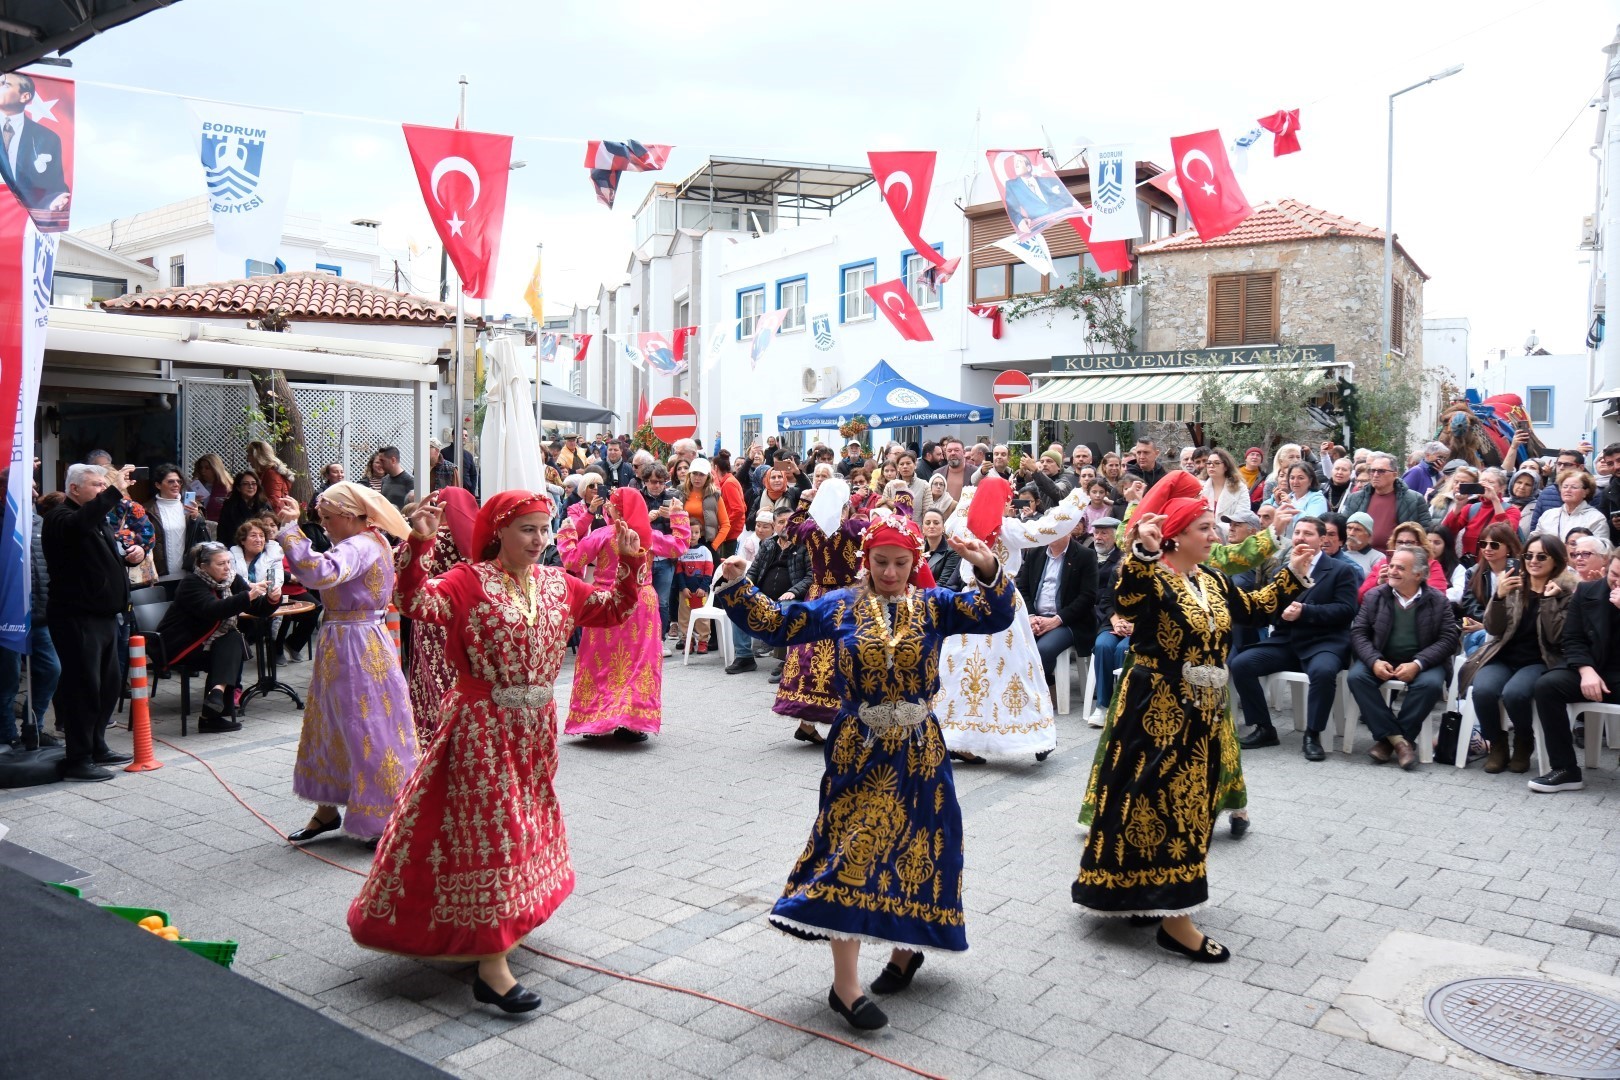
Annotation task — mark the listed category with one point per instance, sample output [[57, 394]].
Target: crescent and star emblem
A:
[[895, 303], [897, 179], [1186, 169], [458, 165]]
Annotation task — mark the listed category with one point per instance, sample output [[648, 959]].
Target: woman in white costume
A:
[[993, 697]]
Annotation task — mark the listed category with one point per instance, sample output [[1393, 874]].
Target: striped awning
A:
[[1152, 397]]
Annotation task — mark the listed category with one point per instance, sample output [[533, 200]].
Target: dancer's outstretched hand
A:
[[974, 552], [626, 541], [426, 519], [734, 568]]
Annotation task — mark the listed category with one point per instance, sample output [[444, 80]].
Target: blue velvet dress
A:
[[884, 860]]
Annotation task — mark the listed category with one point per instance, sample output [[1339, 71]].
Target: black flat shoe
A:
[[864, 1016], [812, 736], [629, 735], [892, 980], [971, 759], [1258, 738], [214, 701], [113, 757], [519, 999], [1239, 826], [1042, 755], [1208, 952], [1143, 920], [310, 832]]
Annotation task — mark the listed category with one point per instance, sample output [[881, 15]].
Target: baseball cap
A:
[[1361, 518], [699, 465], [1243, 517]]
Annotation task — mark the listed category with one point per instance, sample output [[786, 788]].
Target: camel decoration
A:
[[1482, 435]]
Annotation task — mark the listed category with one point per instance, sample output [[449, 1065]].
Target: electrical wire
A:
[[583, 965]]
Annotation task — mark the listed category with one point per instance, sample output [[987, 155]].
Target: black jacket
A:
[[1330, 608], [40, 176], [621, 475], [1151, 477], [1436, 626], [197, 610], [85, 560], [1077, 588], [945, 565], [234, 512], [1591, 632], [1107, 582], [773, 559]]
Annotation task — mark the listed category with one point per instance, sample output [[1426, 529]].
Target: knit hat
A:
[[1361, 518], [1053, 456]]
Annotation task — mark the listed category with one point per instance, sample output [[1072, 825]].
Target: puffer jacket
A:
[[1502, 622]]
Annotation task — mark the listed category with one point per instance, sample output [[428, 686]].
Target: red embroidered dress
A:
[[476, 856]]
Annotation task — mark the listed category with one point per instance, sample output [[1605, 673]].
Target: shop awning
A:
[[1605, 395], [1152, 397]]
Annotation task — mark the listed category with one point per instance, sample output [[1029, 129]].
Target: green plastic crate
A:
[[69, 889], [220, 952]]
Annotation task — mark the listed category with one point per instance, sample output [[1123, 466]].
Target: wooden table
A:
[[265, 650]]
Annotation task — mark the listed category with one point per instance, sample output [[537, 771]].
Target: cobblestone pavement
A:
[[681, 844]]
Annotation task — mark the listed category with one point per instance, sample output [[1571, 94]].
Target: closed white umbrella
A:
[[509, 441]]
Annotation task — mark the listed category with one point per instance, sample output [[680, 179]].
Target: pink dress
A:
[[619, 673]]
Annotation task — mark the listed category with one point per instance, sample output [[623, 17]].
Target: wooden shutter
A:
[[1243, 309], [1397, 316]]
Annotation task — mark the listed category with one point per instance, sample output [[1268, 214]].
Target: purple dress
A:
[[358, 745]]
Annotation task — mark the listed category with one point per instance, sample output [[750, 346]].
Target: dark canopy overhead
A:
[[559, 404], [30, 29]]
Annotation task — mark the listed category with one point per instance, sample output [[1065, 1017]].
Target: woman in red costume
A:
[[475, 855]]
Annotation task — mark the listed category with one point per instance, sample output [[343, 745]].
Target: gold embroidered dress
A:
[[476, 855], [1157, 779], [993, 697], [358, 743], [884, 860]]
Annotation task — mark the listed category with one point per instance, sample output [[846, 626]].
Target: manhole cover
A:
[[1534, 1025]]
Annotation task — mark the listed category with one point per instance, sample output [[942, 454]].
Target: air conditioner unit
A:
[[820, 383], [1589, 232]]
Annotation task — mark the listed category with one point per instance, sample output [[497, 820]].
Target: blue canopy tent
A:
[[886, 400]]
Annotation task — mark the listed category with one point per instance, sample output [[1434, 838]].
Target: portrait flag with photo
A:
[[1209, 189], [895, 301], [1114, 214], [1030, 189], [659, 354], [607, 160], [463, 177], [765, 331], [1111, 256], [906, 178], [548, 346], [37, 164], [247, 157]]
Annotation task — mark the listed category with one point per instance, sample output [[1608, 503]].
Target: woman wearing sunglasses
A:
[[1499, 550], [1525, 621]]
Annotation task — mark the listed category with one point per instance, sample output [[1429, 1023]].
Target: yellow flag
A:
[[535, 294]]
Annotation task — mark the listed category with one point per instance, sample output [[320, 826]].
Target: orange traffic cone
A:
[[140, 713], [393, 632]]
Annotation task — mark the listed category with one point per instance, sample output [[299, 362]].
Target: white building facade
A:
[[1554, 389]]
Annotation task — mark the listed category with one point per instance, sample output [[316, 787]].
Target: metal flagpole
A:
[[539, 327], [455, 429]]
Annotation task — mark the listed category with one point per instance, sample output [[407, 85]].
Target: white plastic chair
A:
[[1299, 685], [710, 613], [1601, 716], [1060, 681], [1431, 723]]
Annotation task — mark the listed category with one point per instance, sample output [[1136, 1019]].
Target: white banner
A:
[[1113, 195], [247, 157], [27, 264], [1032, 251]]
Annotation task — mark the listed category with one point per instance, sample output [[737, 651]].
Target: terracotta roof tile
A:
[[308, 295], [1275, 223]]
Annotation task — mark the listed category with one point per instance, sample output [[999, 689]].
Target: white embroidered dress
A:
[[993, 697]]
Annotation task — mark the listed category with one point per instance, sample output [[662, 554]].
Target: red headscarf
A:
[[633, 509], [989, 506], [460, 512], [896, 530], [1179, 497], [499, 511]]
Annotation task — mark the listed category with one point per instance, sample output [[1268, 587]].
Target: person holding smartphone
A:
[[178, 522], [1480, 505]]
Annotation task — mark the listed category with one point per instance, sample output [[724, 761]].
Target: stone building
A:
[[1289, 275]]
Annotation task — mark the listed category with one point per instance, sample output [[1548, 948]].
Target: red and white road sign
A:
[[1010, 384], [674, 418]]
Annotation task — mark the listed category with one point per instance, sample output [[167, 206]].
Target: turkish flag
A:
[[463, 177], [681, 337], [641, 412], [1111, 256], [906, 177], [581, 343], [1166, 182], [894, 300], [1209, 189], [1284, 127]]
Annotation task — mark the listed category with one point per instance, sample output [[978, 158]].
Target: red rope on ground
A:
[[582, 964]]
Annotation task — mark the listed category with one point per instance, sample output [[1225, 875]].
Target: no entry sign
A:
[[675, 418], [1010, 384]]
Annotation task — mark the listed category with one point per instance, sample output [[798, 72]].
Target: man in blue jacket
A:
[[1312, 635]]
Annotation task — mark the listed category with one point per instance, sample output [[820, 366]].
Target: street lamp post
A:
[[1389, 222]]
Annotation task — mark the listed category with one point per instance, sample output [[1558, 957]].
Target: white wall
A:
[[1445, 346], [1565, 374]]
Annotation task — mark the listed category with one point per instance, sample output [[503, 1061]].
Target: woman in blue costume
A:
[[884, 859]]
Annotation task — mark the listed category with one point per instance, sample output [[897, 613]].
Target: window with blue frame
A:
[[328, 268], [912, 267], [257, 268], [750, 306], [855, 279], [1538, 402], [791, 294]]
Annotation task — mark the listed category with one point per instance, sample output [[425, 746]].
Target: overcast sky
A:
[[1493, 173]]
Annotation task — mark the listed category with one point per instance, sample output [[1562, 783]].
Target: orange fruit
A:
[[169, 933], [152, 922]]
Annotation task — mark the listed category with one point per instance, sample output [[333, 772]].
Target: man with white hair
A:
[[685, 449], [1422, 477], [89, 591]]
